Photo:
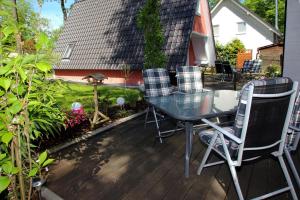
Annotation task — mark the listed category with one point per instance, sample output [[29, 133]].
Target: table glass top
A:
[[192, 107]]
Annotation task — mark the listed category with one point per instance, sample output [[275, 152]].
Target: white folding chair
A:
[[157, 83]]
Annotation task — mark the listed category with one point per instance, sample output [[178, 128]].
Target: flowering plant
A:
[[75, 119]]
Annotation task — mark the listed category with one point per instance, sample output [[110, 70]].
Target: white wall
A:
[[291, 66], [228, 15]]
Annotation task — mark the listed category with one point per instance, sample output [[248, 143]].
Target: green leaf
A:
[[11, 98], [7, 167], [5, 83], [4, 183], [14, 170], [33, 172], [7, 137], [42, 41], [5, 69], [19, 89], [2, 156], [1, 93], [44, 67], [34, 103], [48, 162], [28, 59], [36, 133], [8, 30], [22, 74], [15, 107], [42, 158]]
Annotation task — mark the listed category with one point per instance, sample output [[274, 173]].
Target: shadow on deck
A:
[[124, 163]]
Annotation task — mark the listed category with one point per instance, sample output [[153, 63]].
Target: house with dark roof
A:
[[102, 36], [232, 20]]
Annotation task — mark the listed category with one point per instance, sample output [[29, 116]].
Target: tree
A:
[[212, 3], [148, 20], [64, 10], [229, 51], [266, 10]]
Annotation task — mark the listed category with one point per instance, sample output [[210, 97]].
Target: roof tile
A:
[[107, 37]]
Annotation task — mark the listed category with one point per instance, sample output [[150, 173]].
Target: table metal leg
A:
[[188, 147]]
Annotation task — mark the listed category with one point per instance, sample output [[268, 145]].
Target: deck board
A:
[[124, 163]]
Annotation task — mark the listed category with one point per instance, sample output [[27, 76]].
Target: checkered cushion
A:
[[157, 82], [189, 79], [256, 68], [247, 65], [240, 115], [206, 136]]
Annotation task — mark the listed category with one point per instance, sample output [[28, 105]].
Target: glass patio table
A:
[[190, 108]]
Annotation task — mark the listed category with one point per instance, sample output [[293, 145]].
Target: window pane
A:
[[241, 27], [68, 51], [216, 30]]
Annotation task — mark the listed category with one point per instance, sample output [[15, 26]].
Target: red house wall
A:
[[192, 57], [199, 27], [114, 76]]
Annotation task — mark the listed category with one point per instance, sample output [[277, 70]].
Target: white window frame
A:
[[198, 8], [216, 26], [68, 52], [245, 26]]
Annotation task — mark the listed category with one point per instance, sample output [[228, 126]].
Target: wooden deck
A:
[[124, 164]]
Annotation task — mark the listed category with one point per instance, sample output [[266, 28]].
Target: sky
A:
[[52, 11]]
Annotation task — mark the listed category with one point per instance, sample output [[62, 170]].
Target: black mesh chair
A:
[[228, 70], [219, 70], [259, 130]]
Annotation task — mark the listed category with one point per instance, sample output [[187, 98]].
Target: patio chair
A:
[[254, 135], [256, 66], [248, 64], [219, 69], [229, 71], [189, 79], [293, 138], [157, 83]]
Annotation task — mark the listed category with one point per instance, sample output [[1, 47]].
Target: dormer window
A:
[[198, 8], [68, 52]]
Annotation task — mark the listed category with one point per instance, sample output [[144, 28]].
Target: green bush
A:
[[229, 51], [148, 20], [273, 71]]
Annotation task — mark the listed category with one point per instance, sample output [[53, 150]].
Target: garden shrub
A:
[[148, 20], [28, 106], [229, 51], [273, 71]]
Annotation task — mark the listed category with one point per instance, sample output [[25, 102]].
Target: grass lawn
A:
[[68, 93]]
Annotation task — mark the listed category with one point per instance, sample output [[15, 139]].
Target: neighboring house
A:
[[101, 36], [232, 20], [291, 63], [271, 55]]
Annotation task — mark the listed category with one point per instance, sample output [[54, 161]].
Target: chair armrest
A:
[[224, 132], [294, 128]]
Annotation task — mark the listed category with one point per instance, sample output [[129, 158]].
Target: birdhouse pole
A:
[[95, 80], [96, 103]]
